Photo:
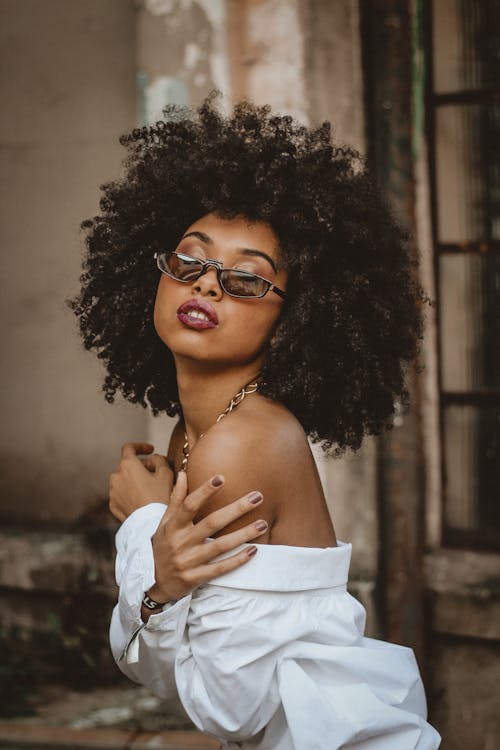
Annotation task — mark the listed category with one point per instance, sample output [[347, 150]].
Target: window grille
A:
[[464, 136]]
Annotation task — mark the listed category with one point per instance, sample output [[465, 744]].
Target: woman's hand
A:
[[183, 559], [139, 481]]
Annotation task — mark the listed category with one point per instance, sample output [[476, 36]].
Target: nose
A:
[[208, 284]]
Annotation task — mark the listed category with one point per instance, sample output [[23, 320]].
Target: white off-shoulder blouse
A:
[[270, 656]]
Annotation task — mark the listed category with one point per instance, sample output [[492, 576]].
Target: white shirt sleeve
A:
[[135, 574], [272, 651], [176, 658]]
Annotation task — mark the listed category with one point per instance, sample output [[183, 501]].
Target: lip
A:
[[200, 306]]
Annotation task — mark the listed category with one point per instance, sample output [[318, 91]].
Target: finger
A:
[[158, 459], [180, 489], [132, 449], [221, 518], [179, 492], [189, 506], [206, 572], [204, 553]]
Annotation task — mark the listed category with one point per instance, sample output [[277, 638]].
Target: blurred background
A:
[[415, 85]]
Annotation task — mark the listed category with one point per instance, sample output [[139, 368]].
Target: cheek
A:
[[255, 327], [164, 300]]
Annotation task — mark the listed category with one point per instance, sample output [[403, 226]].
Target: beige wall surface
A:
[[67, 92]]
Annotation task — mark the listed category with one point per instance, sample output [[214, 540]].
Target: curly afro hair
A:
[[352, 317]]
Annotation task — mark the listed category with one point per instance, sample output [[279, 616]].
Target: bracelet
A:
[[151, 603]]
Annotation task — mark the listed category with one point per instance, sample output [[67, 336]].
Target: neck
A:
[[204, 394]]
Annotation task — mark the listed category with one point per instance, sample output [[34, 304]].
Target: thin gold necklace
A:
[[237, 399]]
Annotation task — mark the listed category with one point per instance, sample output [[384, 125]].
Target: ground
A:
[[114, 718]]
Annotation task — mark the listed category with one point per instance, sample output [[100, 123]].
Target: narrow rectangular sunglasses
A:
[[234, 282]]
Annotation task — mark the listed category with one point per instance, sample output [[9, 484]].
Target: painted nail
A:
[[255, 497], [251, 551], [217, 480], [261, 525]]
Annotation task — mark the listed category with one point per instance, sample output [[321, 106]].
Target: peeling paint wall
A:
[[181, 53], [268, 55]]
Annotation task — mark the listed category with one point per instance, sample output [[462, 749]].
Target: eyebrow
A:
[[243, 250]]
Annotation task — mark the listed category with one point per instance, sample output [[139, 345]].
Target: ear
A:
[[276, 335]]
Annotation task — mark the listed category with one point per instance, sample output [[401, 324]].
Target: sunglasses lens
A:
[[181, 267], [238, 283], [243, 284]]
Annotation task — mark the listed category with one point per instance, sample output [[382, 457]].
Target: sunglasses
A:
[[234, 282]]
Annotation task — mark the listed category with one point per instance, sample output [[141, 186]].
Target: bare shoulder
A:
[[260, 446], [258, 441]]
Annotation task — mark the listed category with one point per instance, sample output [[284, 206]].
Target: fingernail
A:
[[217, 480], [251, 551], [255, 497], [261, 525]]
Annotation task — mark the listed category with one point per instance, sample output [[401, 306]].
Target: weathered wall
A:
[[67, 92], [181, 52]]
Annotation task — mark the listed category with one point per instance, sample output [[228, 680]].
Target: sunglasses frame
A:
[[219, 268]]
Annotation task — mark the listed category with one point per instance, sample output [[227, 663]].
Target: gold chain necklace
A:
[[237, 399]]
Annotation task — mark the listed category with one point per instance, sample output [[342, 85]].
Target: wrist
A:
[[153, 603], [159, 594], [150, 606]]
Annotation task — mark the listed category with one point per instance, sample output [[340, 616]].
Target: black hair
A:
[[352, 317]]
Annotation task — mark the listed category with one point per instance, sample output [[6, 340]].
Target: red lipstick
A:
[[198, 314]]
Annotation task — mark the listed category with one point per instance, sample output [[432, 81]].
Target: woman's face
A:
[[237, 328]]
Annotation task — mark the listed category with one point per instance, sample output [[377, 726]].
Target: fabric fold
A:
[[271, 656]]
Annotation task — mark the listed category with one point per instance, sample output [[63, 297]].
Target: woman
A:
[[245, 275]]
